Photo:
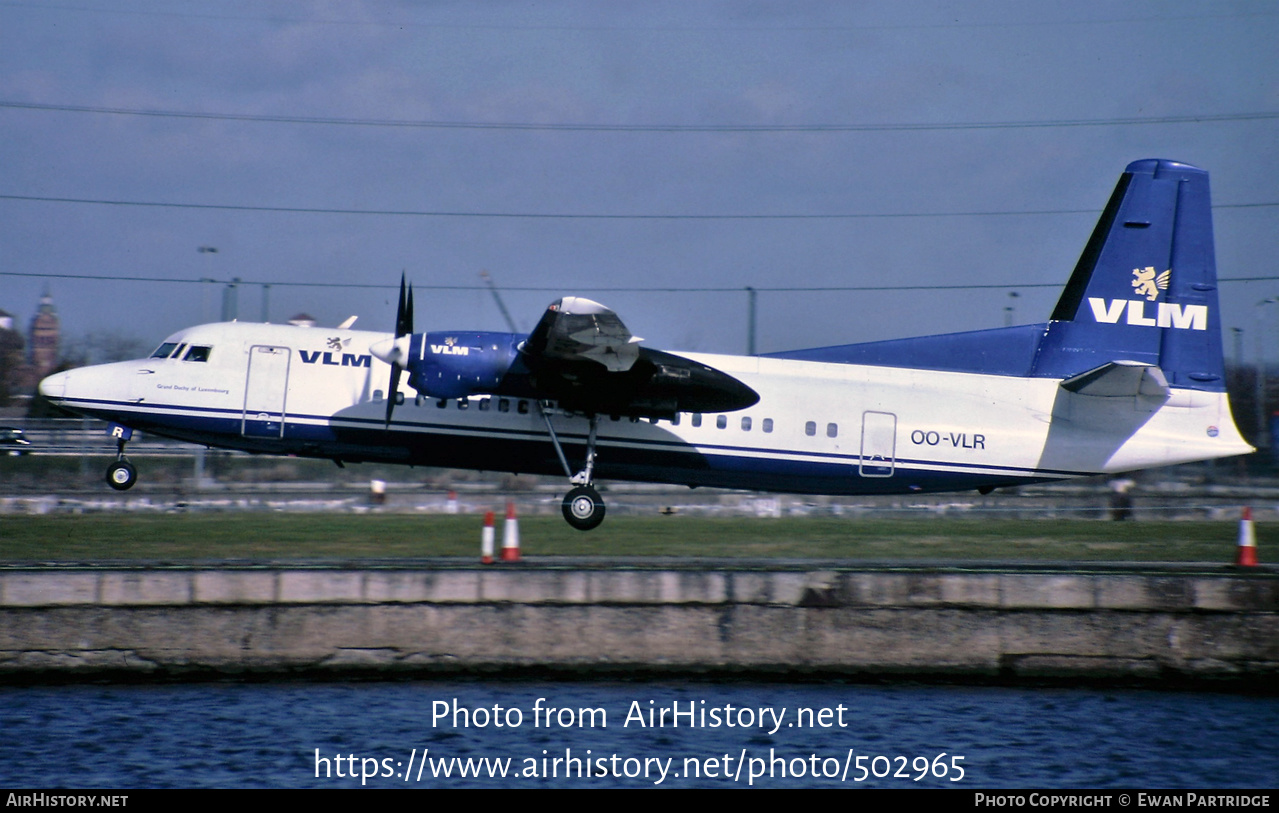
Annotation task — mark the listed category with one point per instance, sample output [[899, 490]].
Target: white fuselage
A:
[[817, 428]]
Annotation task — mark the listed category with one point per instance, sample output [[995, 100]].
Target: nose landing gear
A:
[[121, 475]]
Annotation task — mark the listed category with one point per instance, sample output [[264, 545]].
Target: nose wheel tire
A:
[[121, 475], [583, 508]]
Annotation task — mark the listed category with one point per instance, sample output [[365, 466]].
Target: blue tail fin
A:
[[1145, 288]]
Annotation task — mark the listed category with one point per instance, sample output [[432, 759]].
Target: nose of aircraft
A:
[[54, 387]]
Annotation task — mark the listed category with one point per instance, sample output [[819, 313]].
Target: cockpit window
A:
[[198, 353], [164, 350]]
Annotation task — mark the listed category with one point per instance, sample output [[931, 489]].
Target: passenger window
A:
[[832, 430], [675, 420], [697, 419], [443, 402], [721, 421], [768, 425], [198, 353], [523, 407], [746, 424], [462, 403], [503, 405], [810, 428], [484, 404]]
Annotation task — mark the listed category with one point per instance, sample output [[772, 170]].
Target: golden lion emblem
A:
[[1147, 284]]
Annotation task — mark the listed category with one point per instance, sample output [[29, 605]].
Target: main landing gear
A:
[[121, 475], [583, 507]]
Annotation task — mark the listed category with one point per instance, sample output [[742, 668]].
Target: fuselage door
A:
[[265, 392], [879, 444]]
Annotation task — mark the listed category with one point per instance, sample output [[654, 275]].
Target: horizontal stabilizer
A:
[[1120, 379]]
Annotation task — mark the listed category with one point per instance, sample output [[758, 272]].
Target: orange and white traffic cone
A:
[[1247, 540], [486, 540], [511, 535]]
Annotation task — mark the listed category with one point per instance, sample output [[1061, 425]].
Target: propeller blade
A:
[[400, 321], [403, 327], [392, 391], [408, 314]]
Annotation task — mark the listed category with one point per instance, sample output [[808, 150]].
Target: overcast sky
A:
[[821, 117]]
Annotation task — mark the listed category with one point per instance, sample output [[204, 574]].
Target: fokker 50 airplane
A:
[[1128, 373]]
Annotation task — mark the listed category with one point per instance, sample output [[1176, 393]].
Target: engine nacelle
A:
[[446, 364]]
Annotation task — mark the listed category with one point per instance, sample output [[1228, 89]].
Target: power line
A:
[[825, 26], [645, 128], [565, 215], [560, 288], [515, 215]]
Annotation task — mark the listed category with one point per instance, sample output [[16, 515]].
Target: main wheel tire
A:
[[583, 508], [121, 475]]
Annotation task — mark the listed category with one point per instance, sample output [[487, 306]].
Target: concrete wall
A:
[[997, 624]]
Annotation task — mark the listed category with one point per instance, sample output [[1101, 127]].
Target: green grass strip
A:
[[279, 536]]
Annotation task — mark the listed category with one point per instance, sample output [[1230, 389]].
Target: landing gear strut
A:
[[583, 507], [121, 475]]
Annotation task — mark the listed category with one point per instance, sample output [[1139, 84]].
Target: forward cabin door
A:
[[265, 391], [879, 444]]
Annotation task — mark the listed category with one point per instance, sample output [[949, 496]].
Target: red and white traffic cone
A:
[[1247, 540], [486, 540], [511, 535]]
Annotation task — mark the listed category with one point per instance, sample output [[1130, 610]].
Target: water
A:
[[267, 735]]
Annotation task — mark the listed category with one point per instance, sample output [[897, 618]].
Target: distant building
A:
[[24, 362], [45, 335]]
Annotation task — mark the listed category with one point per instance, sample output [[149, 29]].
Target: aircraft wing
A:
[[575, 328], [581, 355]]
